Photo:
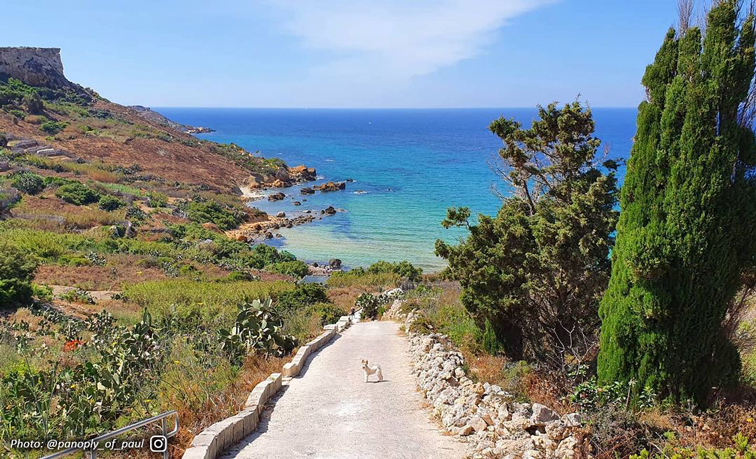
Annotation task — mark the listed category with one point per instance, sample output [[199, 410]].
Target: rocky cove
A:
[[284, 200]]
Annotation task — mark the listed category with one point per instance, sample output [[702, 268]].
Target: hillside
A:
[[123, 260]]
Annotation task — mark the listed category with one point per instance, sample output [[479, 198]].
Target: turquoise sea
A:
[[408, 167]]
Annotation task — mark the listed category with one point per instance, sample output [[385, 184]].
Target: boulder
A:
[[281, 214], [329, 210], [307, 190], [302, 173], [276, 197], [278, 183], [542, 415], [332, 186], [334, 263], [297, 203], [572, 420], [478, 424]]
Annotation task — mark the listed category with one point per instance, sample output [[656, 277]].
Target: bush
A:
[[16, 273], [327, 313], [213, 212], [135, 213], [403, 269], [77, 193], [295, 268], [238, 276], [53, 127], [28, 182], [490, 343], [303, 295], [77, 295], [369, 304], [110, 203], [263, 255]]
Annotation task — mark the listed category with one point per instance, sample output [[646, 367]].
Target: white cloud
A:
[[396, 39]]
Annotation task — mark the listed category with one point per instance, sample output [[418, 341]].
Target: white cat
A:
[[369, 370]]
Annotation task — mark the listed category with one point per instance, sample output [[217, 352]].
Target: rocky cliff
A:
[[34, 66]]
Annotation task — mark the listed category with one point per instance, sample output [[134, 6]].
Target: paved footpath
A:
[[328, 412]]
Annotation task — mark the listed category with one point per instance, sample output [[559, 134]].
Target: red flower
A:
[[72, 345]]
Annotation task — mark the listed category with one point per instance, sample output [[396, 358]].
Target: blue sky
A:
[[349, 53]]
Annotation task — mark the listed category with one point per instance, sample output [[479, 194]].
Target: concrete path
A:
[[330, 413]]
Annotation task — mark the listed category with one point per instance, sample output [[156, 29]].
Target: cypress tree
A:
[[686, 230]]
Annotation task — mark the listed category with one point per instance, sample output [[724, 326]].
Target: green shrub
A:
[[301, 296], [77, 193], [327, 313], [58, 181], [263, 255], [295, 268], [490, 342], [53, 127], [77, 295], [110, 203], [28, 182], [42, 292], [135, 213], [369, 304], [403, 269], [17, 269], [237, 276], [213, 212]]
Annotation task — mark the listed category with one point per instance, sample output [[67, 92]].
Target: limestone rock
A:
[[542, 415]]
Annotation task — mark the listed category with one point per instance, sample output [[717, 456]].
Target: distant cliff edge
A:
[[34, 66]]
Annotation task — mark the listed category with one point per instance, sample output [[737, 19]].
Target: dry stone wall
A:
[[493, 423]]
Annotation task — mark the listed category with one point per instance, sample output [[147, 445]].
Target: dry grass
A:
[[199, 408], [119, 270], [344, 297], [47, 207]]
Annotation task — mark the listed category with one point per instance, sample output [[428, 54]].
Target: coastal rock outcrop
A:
[[276, 197], [331, 186], [283, 177]]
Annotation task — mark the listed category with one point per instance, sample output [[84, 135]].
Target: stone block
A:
[[290, 370], [197, 452]]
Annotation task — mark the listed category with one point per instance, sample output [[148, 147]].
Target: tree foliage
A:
[[16, 273], [537, 269], [686, 231]]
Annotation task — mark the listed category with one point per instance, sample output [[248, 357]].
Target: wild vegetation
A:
[[121, 296], [650, 339]]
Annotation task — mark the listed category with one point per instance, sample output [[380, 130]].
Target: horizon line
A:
[[364, 108]]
